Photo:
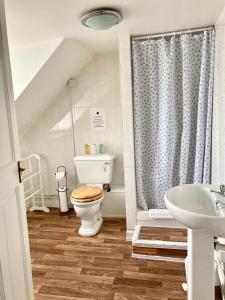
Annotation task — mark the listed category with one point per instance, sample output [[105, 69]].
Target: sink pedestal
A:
[[194, 206], [200, 277]]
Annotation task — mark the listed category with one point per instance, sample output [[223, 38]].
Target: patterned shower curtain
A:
[[172, 94]]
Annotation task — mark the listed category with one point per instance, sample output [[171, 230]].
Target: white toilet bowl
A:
[[89, 213], [93, 171]]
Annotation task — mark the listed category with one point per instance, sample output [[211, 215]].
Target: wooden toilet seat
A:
[[86, 194]]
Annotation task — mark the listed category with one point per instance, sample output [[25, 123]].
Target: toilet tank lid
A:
[[94, 157]]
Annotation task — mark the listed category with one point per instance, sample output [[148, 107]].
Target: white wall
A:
[[97, 85], [27, 60], [218, 158], [127, 110]]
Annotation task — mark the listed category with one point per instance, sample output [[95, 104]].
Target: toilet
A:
[[93, 171]]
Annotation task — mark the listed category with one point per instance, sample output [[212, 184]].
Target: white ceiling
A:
[[32, 21]]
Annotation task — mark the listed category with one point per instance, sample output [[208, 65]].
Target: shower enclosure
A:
[[172, 98], [136, 215]]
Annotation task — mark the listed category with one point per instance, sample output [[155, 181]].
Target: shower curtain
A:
[[172, 95]]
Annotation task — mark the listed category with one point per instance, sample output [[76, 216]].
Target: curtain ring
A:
[[190, 33], [174, 34]]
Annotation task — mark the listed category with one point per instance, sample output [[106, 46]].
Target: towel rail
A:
[[32, 182]]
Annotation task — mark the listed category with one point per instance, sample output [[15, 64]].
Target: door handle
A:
[[21, 170]]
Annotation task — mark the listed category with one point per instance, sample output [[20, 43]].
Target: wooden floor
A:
[[67, 266], [167, 234]]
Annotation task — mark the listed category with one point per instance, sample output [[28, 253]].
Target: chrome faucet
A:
[[221, 192], [220, 204]]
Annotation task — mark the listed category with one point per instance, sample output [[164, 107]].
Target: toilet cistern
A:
[[93, 171]]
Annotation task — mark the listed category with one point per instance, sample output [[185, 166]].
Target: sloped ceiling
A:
[[27, 60], [32, 21], [67, 60]]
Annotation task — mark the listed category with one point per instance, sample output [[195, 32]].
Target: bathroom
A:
[[81, 97]]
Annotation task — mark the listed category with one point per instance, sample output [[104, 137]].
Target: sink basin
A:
[[193, 205]]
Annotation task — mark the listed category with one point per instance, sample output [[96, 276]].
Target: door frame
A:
[[13, 130]]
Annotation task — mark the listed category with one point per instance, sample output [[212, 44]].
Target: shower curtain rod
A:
[[154, 36]]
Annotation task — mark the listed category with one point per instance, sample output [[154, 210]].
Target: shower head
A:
[[101, 19]]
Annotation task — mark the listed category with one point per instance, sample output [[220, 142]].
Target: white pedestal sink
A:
[[194, 206]]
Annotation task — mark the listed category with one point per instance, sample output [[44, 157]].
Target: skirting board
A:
[[113, 205], [51, 201]]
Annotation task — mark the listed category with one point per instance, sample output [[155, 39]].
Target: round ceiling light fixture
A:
[[101, 19]]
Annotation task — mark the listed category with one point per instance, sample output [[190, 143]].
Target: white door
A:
[[15, 267]]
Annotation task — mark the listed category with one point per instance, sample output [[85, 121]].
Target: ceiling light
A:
[[101, 19]]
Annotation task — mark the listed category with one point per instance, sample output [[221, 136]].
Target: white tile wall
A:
[[51, 137], [97, 85]]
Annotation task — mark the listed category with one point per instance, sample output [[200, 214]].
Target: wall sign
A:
[[97, 117]]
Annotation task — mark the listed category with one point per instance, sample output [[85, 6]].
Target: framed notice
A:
[[97, 118]]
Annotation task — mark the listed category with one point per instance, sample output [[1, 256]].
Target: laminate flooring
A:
[[67, 266]]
